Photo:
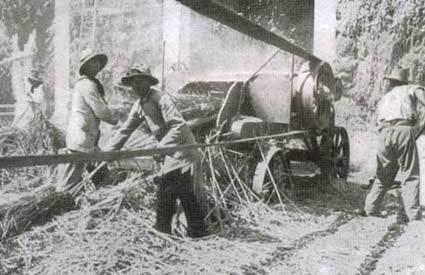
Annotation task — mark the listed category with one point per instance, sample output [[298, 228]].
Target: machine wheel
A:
[[279, 171], [335, 149]]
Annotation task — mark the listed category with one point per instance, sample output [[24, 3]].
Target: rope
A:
[[264, 65]]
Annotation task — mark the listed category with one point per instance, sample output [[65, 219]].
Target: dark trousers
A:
[[396, 150], [176, 185], [70, 174]]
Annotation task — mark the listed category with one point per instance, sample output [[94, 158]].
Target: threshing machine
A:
[[299, 104]]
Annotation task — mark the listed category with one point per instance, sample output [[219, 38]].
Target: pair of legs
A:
[[70, 174], [176, 185], [396, 151]]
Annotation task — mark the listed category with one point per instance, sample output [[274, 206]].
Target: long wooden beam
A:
[[235, 21], [36, 160]]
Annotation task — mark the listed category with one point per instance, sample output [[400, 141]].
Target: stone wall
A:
[[373, 37]]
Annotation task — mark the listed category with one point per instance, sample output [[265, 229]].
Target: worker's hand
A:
[[122, 113]]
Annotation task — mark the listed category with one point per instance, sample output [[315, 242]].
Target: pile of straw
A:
[[41, 138], [112, 233], [197, 106], [33, 210]]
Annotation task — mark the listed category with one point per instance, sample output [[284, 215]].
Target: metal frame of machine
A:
[[273, 103]]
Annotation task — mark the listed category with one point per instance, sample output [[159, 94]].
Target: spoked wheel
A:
[[272, 179], [336, 151]]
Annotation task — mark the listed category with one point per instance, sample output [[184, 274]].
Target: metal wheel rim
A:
[[278, 169], [340, 153]]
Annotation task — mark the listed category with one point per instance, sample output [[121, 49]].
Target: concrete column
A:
[[176, 36], [325, 30], [62, 40], [171, 31]]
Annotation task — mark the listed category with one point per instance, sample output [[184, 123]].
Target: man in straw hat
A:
[[398, 128], [35, 102], [179, 169], [88, 109]]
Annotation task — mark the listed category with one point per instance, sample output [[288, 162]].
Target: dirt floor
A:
[[320, 234]]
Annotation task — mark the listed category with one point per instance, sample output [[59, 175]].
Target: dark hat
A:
[[88, 55], [139, 70], [120, 86], [34, 78], [401, 75]]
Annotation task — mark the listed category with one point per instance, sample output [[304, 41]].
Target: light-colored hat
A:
[[89, 55], [139, 70], [400, 75]]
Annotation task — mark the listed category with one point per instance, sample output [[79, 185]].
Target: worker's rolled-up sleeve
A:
[[133, 121], [99, 106]]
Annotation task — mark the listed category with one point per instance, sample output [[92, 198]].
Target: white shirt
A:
[[400, 103]]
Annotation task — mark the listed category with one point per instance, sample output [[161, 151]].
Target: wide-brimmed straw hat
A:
[[139, 70], [88, 56], [35, 78], [401, 75]]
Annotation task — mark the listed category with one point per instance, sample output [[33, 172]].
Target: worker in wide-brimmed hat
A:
[[34, 79], [35, 101], [399, 76], [397, 122], [88, 109], [180, 170], [37, 96]]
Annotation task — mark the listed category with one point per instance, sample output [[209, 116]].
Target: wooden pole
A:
[[163, 65], [36, 160], [292, 90]]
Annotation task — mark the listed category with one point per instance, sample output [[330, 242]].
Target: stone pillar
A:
[[176, 35], [62, 40], [325, 30]]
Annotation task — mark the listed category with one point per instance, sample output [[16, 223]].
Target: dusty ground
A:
[[318, 235]]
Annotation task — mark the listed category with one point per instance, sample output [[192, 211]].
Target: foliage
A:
[[375, 37], [23, 16]]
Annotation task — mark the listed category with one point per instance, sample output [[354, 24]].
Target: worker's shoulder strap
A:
[[99, 86]]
